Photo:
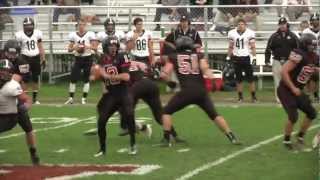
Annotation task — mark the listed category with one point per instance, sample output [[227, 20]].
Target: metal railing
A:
[[124, 16]]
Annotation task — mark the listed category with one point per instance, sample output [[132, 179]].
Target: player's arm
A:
[[151, 54], [267, 53], [27, 102], [94, 45], [230, 49], [292, 62], [252, 43], [166, 71], [123, 76], [169, 41], [205, 69]]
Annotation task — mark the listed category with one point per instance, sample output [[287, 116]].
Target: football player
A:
[[296, 72], [143, 50], [241, 40], [83, 46], [33, 52], [110, 30], [114, 68], [11, 114], [314, 29], [190, 68]]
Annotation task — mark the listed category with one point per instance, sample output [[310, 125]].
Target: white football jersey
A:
[[241, 46], [85, 39], [309, 31], [119, 34], [102, 35], [141, 48], [29, 44], [8, 97]]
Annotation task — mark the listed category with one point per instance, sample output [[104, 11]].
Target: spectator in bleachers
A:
[[295, 12], [250, 13], [33, 2], [197, 14], [4, 14], [225, 14], [173, 13], [280, 44], [74, 11]]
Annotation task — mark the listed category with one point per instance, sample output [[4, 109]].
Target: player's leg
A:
[[289, 103], [248, 69], [206, 104], [239, 78], [74, 77], [86, 73], [106, 107], [128, 114], [304, 103], [8, 121], [35, 68], [276, 70], [176, 103], [25, 123]]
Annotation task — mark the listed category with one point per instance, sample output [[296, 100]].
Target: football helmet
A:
[[314, 20], [12, 49], [308, 42], [109, 26], [28, 26], [184, 44], [110, 45]]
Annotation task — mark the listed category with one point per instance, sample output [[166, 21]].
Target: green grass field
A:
[[207, 156]]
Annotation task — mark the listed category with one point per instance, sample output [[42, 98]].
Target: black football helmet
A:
[[109, 26], [111, 45], [314, 19], [28, 26], [184, 44], [6, 71], [308, 42], [12, 49]]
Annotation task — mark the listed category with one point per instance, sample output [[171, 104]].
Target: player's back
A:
[[187, 68]]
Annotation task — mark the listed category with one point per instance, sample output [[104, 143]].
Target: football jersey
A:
[[22, 67], [141, 48], [306, 62], [119, 64], [8, 97], [29, 44], [241, 46], [310, 31], [85, 39], [187, 69]]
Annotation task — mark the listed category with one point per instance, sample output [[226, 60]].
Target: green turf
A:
[[207, 144]]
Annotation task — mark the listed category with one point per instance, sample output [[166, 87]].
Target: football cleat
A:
[[36, 102], [240, 100], [165, 143], [83, 100], [35, 159], [148, 131], [133, 150], [100, 153], [236, 142], [179, 140], [69, 101], [254, 100], [288, 145], [316, 141]]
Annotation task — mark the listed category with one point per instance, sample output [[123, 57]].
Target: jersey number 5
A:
[[188, 64]]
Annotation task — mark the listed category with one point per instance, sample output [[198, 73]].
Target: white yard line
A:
[[61, 126], [217, 162]]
